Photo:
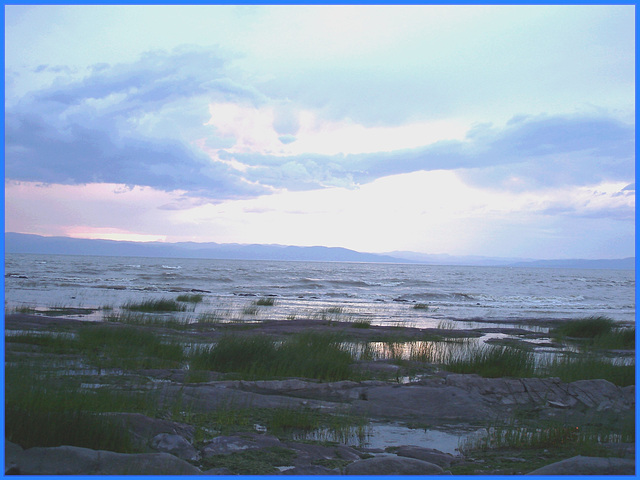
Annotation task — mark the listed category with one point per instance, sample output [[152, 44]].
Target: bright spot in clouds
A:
[[253, 131]]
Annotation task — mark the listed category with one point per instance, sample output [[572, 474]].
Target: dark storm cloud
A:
[[88, 131]]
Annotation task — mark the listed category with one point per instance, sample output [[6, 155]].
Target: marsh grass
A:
[[589, 327], [128, 347], [361, 323], [570, 369], [266, 302], [309, 355], [250, 310], [490, 361], [48, 412], [616, 339], [597, 332], [190, 298], [49, 343], [161, 305], [146, 320], [421, 306]]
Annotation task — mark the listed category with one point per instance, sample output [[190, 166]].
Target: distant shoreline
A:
[[17, 243]]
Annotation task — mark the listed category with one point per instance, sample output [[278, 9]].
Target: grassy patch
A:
[[309, 355], [597, 332], [194, 298], [53, 343], [43, 412], [589, 327], [146, 320], [616, 339], [266, 302], [161, 305], [491, 361], [570, 369], [252, 462], [361, 323], [128, 347], [250, 310], [421, 306]]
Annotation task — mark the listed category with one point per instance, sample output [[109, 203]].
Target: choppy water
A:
[[382, 293]]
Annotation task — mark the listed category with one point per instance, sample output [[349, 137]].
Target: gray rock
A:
[[589, 466], [392, 465], [307, 453], [427, 454], [68, 460], [11, 450], [436, 403], [175, 445], [143, 428], [311, 470], [224, 445]]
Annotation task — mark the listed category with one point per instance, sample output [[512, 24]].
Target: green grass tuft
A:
[[128, 347], [361, 323], [491, 361], [161, 305], [310, 355], [266, 302], [570, 369], [589, 327], [195, 298]]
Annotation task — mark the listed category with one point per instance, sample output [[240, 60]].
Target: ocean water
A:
[[381, 293]]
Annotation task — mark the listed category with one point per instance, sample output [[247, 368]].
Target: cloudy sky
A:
[[484, 130]]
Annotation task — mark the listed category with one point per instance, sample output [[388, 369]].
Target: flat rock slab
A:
[[427, 454], [435, 403], [589, 466], [68, 460], [392, 465]]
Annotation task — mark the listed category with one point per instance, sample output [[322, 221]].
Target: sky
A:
[[504, 131]]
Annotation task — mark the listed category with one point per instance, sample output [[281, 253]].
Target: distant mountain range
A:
[[26, 243]]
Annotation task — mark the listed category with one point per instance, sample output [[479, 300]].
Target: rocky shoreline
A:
[[432, 400]]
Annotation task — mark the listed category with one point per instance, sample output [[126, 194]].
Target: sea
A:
[[380, 293]]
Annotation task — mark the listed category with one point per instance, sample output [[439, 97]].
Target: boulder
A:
[[430, 455], [589, 466], [392, 465], [67, 460], [175, 445]]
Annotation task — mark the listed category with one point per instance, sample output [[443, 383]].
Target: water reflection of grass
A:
[[550, 434]]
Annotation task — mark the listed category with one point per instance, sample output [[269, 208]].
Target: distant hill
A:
[[25, 243], [444, 259]]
